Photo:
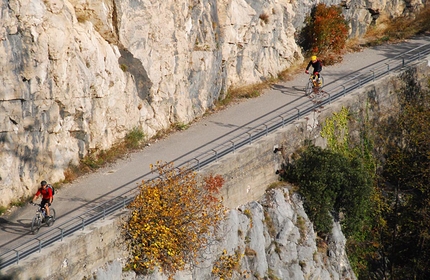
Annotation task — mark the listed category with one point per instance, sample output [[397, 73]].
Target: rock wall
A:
[[78, 75], [273, 238]]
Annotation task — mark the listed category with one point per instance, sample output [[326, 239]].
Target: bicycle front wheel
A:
[[35, 225], [309, 86]]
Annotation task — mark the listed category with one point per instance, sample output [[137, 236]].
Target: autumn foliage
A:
[[172, 218], [326, 31]]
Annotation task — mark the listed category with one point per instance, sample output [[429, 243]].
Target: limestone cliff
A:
[[269, 239], [77, 75]]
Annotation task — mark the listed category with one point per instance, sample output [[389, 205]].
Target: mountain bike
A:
[[41, 218], [313, 86]]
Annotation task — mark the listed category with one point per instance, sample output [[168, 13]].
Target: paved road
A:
[[91, 190]]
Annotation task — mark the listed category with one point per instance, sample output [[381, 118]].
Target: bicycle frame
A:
[[41, 218], [312, 85]]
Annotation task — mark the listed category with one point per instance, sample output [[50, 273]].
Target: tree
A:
[[406, 181], [172, 218], [326, 31], [330, 182]]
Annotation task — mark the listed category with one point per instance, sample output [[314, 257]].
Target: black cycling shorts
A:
[[44, 201]]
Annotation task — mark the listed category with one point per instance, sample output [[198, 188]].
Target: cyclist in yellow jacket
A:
[[317, 65]]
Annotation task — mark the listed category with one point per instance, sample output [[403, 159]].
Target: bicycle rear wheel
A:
[[35, 225], [51, 221], [322, 81]]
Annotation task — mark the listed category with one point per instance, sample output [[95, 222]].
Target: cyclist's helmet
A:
[[314, 57], [43, 183]]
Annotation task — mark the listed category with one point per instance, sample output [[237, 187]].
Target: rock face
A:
[[277, 240], [269, 239], [77, 75]]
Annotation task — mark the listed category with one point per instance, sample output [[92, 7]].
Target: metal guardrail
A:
[[355, 81]]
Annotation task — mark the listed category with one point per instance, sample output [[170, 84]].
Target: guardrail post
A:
[[83, 223], [388, 66], [17, 256], [61, 234], [373, 75], [216, 155], [343, 91], [298, 112], [282, 120], [234, 147], [198, 164], [267, 132], [40, 245], [403, 61], [250, 138]]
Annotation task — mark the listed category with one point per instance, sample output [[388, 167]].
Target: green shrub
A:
[[134, 138], [331, 182]]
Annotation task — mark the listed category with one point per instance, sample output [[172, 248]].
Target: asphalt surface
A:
[[91, 190]]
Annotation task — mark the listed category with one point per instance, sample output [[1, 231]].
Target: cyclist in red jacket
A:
[[46, 196], [317, 65]]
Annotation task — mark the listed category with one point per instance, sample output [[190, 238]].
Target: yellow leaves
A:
[[335, 130], [172, 218], [226, 265]]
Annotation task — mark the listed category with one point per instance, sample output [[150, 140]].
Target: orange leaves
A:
[[327, 30], [172, 218], [213, 183]]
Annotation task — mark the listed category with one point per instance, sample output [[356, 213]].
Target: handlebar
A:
[[34, 204]]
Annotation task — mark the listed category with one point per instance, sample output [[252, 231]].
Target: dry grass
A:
[[264, 17], [289, 73], [275, 185], [250, 252], [398, 29], [134, 140], [237, 94]]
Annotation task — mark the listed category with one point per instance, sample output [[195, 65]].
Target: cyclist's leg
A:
[[46, 204], [318, 78]]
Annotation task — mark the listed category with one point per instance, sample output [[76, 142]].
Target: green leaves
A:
[[330, 182]]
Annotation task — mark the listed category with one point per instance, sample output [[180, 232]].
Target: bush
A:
[[331, 183], [326, 31], [172, 218]]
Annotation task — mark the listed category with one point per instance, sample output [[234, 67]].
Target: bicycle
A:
[[313, 86], [41, 218]]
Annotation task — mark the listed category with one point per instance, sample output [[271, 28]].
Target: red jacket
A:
[[46, 193]]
